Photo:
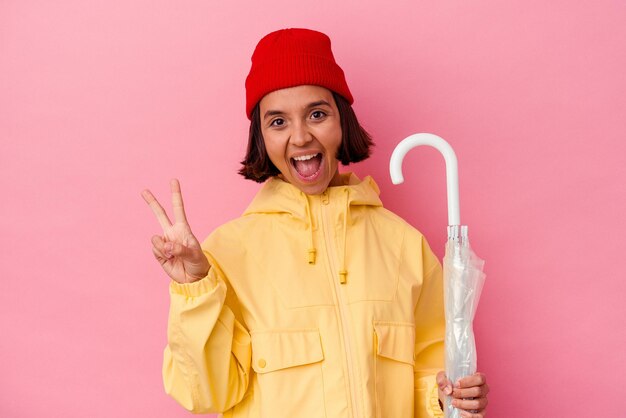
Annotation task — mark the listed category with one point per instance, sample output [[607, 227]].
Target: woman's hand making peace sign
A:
[[178, 251]]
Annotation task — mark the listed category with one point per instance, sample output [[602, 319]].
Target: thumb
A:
[[444, 384]]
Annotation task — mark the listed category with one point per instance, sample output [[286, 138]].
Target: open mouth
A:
[[307, 166]]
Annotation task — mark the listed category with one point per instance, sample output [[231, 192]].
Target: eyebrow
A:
[[310, 105]]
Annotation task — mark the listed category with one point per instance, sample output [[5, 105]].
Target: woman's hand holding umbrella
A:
[[178, 251], [469, 395]]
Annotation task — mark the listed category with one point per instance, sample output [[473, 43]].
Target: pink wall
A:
[[99, 100]]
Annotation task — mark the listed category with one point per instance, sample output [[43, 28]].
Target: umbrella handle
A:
[[452, 171]]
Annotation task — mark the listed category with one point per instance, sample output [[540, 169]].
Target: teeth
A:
[[304, 157]]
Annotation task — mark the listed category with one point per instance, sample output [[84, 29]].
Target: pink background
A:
[[99, 100]]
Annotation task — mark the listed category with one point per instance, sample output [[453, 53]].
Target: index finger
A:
[[157, 209], [477, 379], [177, 202]]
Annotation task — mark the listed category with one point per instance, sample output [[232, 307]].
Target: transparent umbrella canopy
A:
[[462, 269]]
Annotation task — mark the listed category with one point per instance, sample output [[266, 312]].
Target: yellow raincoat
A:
[[325, 306]]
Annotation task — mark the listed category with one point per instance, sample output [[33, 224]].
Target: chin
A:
[[310, 189]]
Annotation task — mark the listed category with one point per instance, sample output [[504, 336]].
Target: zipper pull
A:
[[343, 276], [325, 197]]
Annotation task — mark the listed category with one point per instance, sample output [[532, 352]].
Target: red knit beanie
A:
[[293, 57]]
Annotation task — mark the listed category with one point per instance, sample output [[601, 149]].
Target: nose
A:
[[300, 135]]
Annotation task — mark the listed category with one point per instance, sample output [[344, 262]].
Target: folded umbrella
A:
[[462, 269]]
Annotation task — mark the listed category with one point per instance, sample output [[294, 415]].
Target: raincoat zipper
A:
[[331, 253]]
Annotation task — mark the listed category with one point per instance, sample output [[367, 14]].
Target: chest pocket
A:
[[394, 347], [288, 366]]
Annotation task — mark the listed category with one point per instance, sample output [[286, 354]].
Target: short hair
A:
[[355, 143]]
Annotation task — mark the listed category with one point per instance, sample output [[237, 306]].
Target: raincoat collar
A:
[[279, 196]]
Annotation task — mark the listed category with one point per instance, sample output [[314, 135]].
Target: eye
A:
[[277, 122], [318, 114]]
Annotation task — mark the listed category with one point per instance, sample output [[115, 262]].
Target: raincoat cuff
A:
[[428, 391], [197, 288], [435, 406]]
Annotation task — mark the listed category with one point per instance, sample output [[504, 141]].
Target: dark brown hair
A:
[[355, 143]]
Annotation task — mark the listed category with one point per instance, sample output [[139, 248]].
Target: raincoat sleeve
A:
[[429, 330], [206, 363]]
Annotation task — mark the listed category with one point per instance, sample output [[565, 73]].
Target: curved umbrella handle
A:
[[452, 171]]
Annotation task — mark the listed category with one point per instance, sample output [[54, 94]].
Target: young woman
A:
[[317, 302]]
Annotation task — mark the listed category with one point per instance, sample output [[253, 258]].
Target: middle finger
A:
[[177, 202], [473, 392]]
